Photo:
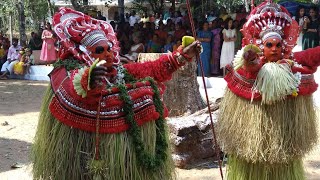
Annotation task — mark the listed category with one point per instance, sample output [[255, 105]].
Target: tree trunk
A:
[[173, 4], [22, 23], [50, 8], [10, 26], [121, 10], [182, 96], [76, 5]]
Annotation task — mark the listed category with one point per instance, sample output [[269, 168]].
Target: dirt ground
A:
[[19, 109]]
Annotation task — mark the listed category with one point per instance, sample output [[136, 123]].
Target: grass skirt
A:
[[277, 133], [62, 152], [239, 169]]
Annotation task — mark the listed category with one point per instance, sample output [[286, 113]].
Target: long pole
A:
[[206, 93]]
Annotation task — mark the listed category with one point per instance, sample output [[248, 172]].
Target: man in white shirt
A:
[[134, 18], [12, 59]]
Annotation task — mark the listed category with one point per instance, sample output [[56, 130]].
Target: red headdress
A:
[[271, 20], [76, 31]]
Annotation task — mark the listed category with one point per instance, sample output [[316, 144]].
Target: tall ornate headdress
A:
[[270, 20], [77, 31]]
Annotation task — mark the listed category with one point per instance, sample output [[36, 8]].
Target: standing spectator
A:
[[127, 17], [229, 37], [12, 59], [48, 51], [311, 30], [216, 47], [299, 17], [35, 42], [204, 36], [100, 16], [134, 18], [237, 43], [157, 19]]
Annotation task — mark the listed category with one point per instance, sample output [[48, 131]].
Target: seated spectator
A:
[[175, 46], [12, 59], [135, 49], [26, 60], [154, 45], [18, 68], [169, 45], [2, 55], [162, 33]]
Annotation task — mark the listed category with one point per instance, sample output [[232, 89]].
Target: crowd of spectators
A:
[[219, 34]]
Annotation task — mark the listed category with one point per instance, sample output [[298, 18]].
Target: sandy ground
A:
[[19, 109]]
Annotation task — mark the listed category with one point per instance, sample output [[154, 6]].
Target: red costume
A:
[[267, 119], [113, 128]]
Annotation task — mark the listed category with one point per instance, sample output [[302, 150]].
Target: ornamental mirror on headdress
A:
[[77, 31], [270, 20]]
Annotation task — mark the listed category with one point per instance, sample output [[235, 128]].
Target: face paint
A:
[[272, 50], [102, 51]]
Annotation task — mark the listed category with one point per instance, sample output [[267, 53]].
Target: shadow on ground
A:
[[13, 154]]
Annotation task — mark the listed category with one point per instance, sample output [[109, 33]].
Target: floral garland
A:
[[146, 159]]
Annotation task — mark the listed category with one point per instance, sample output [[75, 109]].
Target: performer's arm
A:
[[308, 59], [161, 69]]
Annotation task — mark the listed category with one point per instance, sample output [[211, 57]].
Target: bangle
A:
[[186, 56]]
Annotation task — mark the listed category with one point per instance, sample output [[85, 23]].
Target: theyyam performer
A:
[[267, 121], [101, 119]]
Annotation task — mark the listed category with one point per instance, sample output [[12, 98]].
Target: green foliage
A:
[[35, 12]]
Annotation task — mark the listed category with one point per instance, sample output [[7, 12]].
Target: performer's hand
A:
[[193, 49], [101, 74], [250, 56]]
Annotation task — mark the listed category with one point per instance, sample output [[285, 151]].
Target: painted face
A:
[[102, 51], [272, 49]]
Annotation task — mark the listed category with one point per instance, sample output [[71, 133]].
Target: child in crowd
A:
[[18, 68], [229, 37], [29, 58], [169, 45]]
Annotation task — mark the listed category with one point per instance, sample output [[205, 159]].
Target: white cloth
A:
[[227, 51], [133, 55], [298, 47], [13, 52], [8, 66], [133, 20]]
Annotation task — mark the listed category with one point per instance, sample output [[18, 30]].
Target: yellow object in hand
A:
[[187, 40]]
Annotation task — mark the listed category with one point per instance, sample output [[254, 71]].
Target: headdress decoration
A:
[[77, 31], [270, 20]]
